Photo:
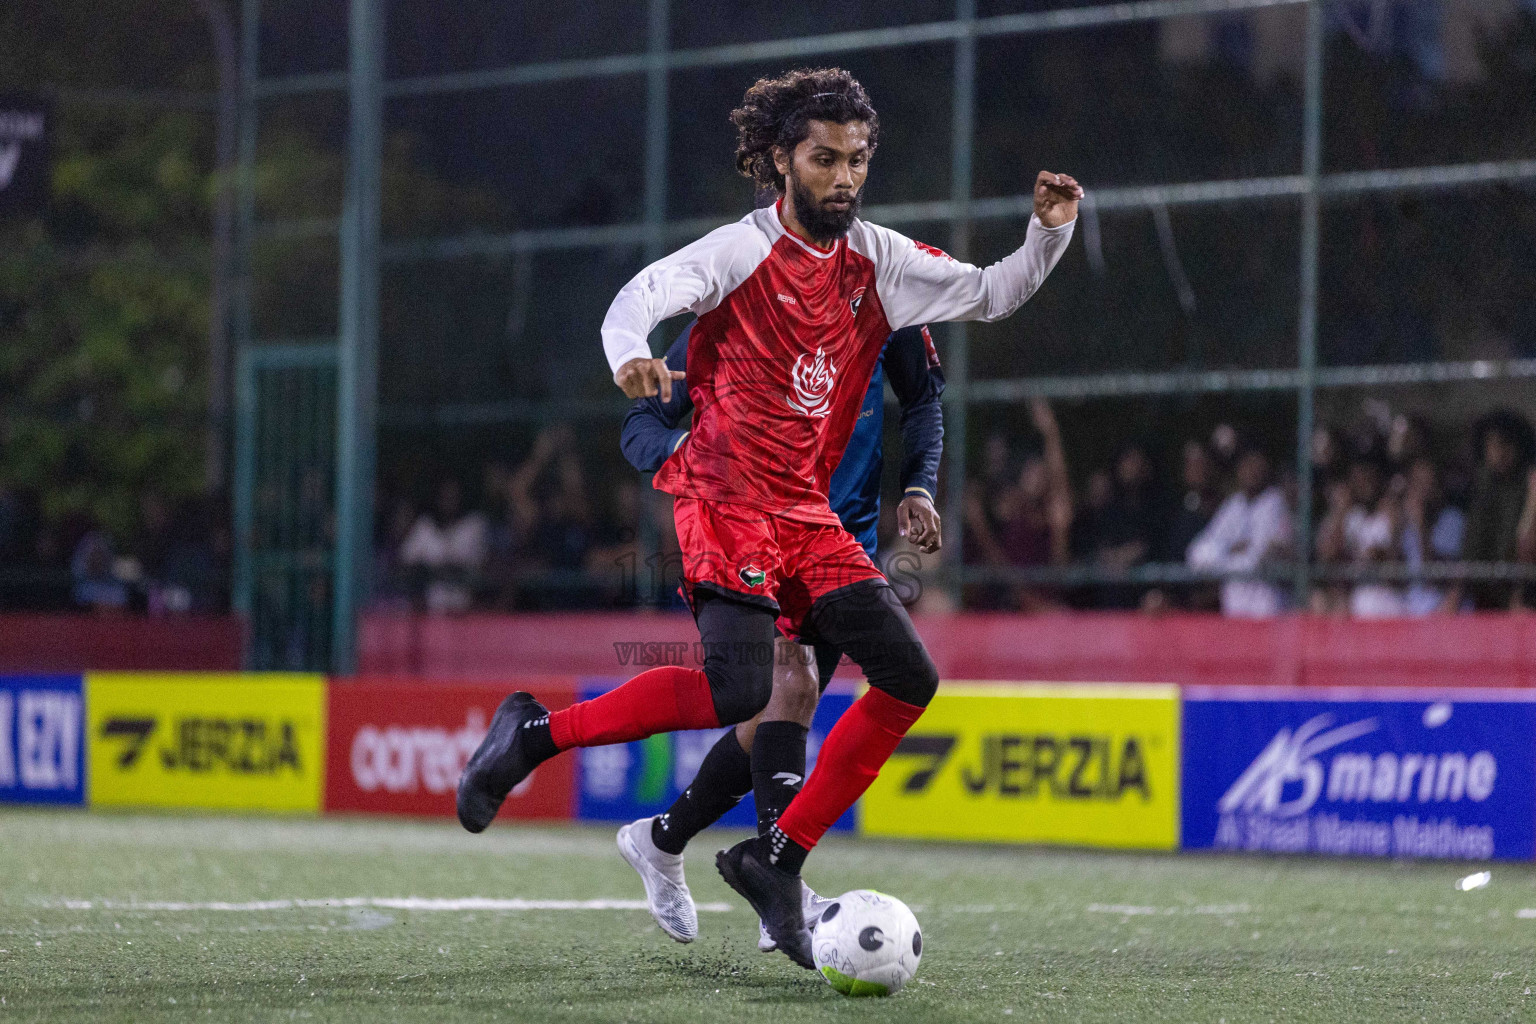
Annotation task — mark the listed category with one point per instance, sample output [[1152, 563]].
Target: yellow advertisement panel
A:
[[1091, 765], [226, 741]]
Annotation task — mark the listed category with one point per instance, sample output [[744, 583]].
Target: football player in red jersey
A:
[[794, 302]]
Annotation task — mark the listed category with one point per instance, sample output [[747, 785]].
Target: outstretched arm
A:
[[912, 367], [696, 278], [655, 427], [920, 284]]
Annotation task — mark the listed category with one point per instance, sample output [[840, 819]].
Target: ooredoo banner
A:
[[632, 780], [42, 741], [225, 742], [1392, 777], [399, 747], [1095, 765]]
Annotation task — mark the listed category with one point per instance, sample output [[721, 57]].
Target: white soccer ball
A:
[[866, 943]]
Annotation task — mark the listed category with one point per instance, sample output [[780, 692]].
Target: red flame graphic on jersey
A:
[[813, 379]]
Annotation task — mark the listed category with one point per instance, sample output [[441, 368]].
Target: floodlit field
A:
[[194, 918]]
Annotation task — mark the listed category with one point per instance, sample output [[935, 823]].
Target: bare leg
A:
[[795, 690]]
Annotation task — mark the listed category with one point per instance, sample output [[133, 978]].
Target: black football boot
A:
[[776, 895], [499, 763]]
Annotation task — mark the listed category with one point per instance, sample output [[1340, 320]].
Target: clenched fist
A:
[[1056, 197]]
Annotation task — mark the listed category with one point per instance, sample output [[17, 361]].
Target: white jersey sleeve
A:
[[696, 279], [919, 284]]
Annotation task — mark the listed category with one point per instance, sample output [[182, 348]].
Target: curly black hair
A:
[[776, 112]]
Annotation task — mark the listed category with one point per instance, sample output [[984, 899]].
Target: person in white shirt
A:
[[447, 549], [1250, 528]]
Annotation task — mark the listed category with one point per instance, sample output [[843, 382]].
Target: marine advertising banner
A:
[[42, 740], [399, 747], [224, 742], [632, 780], [1393, 777], [1091, 765]]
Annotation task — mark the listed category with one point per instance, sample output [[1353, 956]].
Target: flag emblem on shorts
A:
[[752, 576]]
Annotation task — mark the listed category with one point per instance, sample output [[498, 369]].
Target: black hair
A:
[[778, 112]]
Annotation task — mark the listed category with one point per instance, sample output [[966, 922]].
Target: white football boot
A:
[[813, 905], [671, 904]]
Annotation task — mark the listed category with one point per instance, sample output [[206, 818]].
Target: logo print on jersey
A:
[[858, 298], [812, 377], [933, 250], [752, 576]]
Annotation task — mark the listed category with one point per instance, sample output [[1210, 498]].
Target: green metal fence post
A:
[[1306, 334], [357, 358], [957, 368], [242, 591]]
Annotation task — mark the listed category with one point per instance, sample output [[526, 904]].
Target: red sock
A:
[[663, 699], [861, 741]]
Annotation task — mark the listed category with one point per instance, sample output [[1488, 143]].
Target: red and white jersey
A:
[[787, 337]]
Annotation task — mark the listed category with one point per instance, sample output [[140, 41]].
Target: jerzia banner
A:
[[1096, 765], [26, 128], [1381, 778]]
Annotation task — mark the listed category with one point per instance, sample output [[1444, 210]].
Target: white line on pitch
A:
[[384, 903], [1526, 912]]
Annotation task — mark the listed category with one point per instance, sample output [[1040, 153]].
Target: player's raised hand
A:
[[643, 378], [1056, 197], [918, 521]]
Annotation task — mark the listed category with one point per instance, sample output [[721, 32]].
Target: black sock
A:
[[538, 741], [778, 769], [781, 851], [724, 778]]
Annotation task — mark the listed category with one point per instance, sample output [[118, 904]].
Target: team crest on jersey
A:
[[752, 576], [856, 301], [812, 379]]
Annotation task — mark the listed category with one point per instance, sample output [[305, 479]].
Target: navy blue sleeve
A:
[[652, 428], [912, 367]]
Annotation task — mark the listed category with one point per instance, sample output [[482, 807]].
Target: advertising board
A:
[[42, 740], [1394, 777], [220, 741], [632, 780], [397, 747], [1093, 765]]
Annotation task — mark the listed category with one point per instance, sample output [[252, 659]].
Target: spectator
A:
[[552, 510], [1362, 528], [1038, 531], [444, 552], [988, 508], [1193, 508], [1503, 443], [1433, 530], [1251, 529], [93, 568], [1127, 527]]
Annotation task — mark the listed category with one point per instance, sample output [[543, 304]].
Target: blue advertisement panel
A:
[[1365, 778], [632, 780], [42, 740]]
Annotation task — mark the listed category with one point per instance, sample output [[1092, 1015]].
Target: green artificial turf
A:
[[1011, 934]]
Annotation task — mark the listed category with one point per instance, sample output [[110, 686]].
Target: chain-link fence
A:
[[1309, 236]]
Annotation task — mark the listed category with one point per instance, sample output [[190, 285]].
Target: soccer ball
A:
[[866, 943]]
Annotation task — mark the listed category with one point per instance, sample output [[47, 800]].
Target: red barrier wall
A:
[[1467, 650], [102, 643]]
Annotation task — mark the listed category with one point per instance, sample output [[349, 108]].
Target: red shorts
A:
[[781, 564]]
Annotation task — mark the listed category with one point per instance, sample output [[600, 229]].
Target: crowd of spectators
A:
[[539, 538], [174, 559], [1392, 507], [1406, 520]]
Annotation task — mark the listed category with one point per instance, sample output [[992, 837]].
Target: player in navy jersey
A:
[[795, 303], [653, 430]]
